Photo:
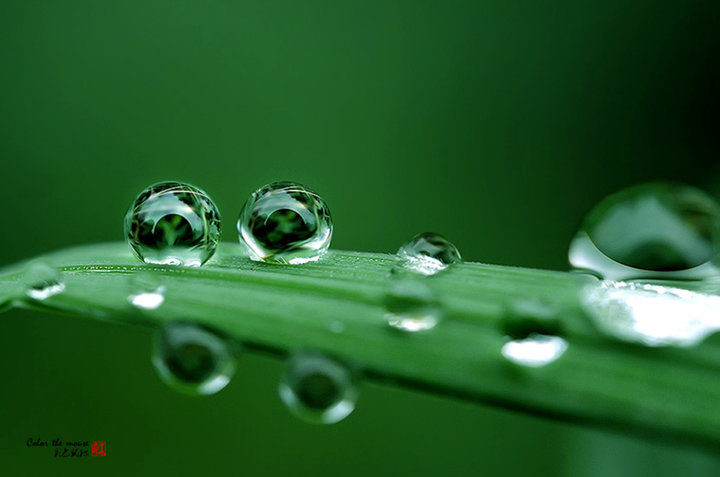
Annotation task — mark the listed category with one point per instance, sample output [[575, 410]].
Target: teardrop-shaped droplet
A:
[[42, 281], [146, 291], [172, 223], [285, 222], [410, 304], [428, 253], [193, 359], [318, 389], [657, 230]]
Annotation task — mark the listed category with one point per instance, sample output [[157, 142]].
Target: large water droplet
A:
[[192, 358], [285, 222], [410, 305], [146, 291], [657, 230], [172, 223], [428, 253], [42, 281], [318, 389], [653, 315]]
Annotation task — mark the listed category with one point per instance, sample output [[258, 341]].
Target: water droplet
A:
[[42, 281], [172, 223], [318, 389], [652, 315], [534, 351], [192, 359], [428, 253], [524, 317], [410, 305], [656, 230], [285, 222], [146, 292], [337, 327]]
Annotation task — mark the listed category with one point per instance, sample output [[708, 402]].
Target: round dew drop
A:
[[172, 223], [428, 253], [656, 230], [192, 359], [285, 222], [318, 389]]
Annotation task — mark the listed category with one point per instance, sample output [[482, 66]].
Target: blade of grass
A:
[[336, 306]]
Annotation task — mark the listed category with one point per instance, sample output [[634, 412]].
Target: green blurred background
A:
[[495, 123]]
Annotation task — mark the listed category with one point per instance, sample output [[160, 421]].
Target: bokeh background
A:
[[496, 123]]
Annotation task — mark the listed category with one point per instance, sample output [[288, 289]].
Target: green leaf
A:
[[336, 306]]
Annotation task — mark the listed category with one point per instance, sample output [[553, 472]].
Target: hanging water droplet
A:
[[318, 389], [192, 358], [410, 305], [172, 223], [428, 253], [42, 281], [656, 230], [534, 351], [653, 315], [146, 291], [285, 222]]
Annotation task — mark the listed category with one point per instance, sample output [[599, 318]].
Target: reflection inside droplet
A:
[[285, 222], [193, 359], [428, 253], [318, 389], [656, 230]]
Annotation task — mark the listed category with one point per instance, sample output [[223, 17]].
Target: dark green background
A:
[[495, 123]]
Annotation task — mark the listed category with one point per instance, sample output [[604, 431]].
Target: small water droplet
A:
[[534, 351], [428, 253], [410, 305], [657, 230], [524, 317], [318, 389], [42, 281], [285, 222], [172, 223], [337, 327], [652, 315], [146, 291], [192, 359]]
